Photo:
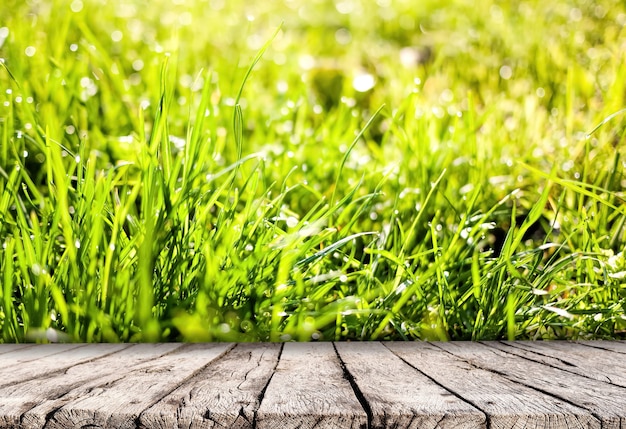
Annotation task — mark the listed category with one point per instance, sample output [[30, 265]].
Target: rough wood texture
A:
[[603, 400], [34, 400], [572, 357], [616, 346], [400, 396], [225, 394], [507, 404], [322, 385], [309, 390], [33, 362]]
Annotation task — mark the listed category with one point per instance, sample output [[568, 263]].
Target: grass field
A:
[[223, 170]]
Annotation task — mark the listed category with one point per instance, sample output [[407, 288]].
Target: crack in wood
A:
[[355, 388], [452, 392], [557, 397], [527, 354], [262, 393]]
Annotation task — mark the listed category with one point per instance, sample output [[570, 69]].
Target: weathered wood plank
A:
[[605, 401], [507, 404], [401, 397], [31, 401], [309, 390], [358, 385], [9, 348], [576, 358], [225, 394], [616, 346], [33, 362], [117, 401]]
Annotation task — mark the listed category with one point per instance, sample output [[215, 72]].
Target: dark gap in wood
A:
[[571, 365], [452, 392], [19, 347], [262, 394], [599, 347], [528, 358], [461, 359], [356, 389], [62, 369], [553, 395], [521, 382], [200, 370], [49, 416]]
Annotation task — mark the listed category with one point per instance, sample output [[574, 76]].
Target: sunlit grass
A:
[[215, 170]]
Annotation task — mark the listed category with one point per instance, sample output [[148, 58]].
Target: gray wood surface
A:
[[507, 404], [572, 357], [117, 400], [34, 400], [225, 394], [616, 346], [314, 385], [33, 362], [309, 390], [603, 400], [400, 396]]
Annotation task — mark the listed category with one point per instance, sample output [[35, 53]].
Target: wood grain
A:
[[605, 401], [225, 394], [32, 362], [308, 390], [615, 346], [507, 404], [572, 357], [314, 385], [117, 401], [399, 396], [32, 401]]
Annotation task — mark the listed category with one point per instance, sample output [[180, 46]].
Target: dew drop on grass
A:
[[4, 33], [343, 36], [77, 243], [30, 51], [76, 6], [36, 269], [446, 96], [291, 222], [117, 36], [506, 72], [249, 247]]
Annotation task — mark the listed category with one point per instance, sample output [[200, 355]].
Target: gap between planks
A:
[[321, 385]]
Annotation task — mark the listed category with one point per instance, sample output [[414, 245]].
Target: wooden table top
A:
[[315, 385]]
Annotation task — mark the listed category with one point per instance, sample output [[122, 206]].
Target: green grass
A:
[[210, 170]]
